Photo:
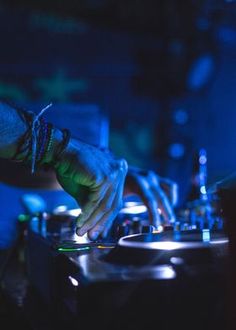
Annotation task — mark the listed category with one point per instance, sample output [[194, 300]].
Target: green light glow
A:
[[23, 217], [61, 249]]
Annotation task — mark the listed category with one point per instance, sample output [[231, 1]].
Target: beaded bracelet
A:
[[45, 133], [35, 142], [35, 127]]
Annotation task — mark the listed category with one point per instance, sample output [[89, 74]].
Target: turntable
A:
[[176, 247], [138, 278]]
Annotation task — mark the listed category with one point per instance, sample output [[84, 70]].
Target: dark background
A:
[[163, 72]]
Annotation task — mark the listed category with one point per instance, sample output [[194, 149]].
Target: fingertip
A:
[[93, 235], [78, 231]]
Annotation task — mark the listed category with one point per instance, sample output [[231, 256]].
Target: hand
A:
[[96, 180], [158, 194]]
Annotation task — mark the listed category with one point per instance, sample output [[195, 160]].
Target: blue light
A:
[[202, 69], [203, 190], [202, 160], [176, 150], [227, 34], [206, 235], [74, 282], [181, 116]]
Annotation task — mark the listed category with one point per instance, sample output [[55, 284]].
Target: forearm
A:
[[12, 127]]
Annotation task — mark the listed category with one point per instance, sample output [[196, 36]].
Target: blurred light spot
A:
[[60, 208], [222, 241], [227, 34], [134, 209], [206, 235], [130, 204], [33, 203], [73, 281], [74, 212], [180, 117], [200, 72], [80, 239], [203, 190], [167, 245], [177, 261], [24, 217], [167, 272], [176, 150], [160, 228], [202, 160]]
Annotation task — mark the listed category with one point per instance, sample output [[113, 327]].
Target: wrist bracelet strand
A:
[[34, 143]]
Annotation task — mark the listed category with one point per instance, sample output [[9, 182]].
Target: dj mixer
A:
[[139, 277]]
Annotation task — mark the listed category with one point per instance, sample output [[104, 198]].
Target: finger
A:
[[149, 199], [171, 189], [163, 201], [94, 199], [100, 191], [101, 208], [106, 205], [164, 205], [105, 223]]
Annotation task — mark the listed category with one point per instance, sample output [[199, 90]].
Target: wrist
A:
[[57, 138], [57, 147]]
